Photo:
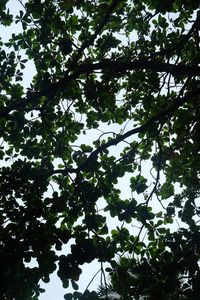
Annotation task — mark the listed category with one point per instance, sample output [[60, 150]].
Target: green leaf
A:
[[138, 184], [74, 285], [167, 190]]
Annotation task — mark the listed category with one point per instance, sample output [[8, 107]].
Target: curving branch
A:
[[160, 117], [163, 115]]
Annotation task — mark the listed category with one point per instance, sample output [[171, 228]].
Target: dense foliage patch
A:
[[114, 99]]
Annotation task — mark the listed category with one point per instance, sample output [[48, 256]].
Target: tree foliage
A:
[[115, 96]]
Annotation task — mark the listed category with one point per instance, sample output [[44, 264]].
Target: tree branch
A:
[[163, 115], [123, 66], [181, 42], [92, 38], [108, 65]]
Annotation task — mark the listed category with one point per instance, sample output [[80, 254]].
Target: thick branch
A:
[[163, 115], [108, 65], [21, 103], [123, 66]]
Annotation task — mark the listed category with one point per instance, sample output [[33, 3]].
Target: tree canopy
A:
[[115, 97]]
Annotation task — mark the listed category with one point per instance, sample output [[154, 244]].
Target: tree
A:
[[131, 69]]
